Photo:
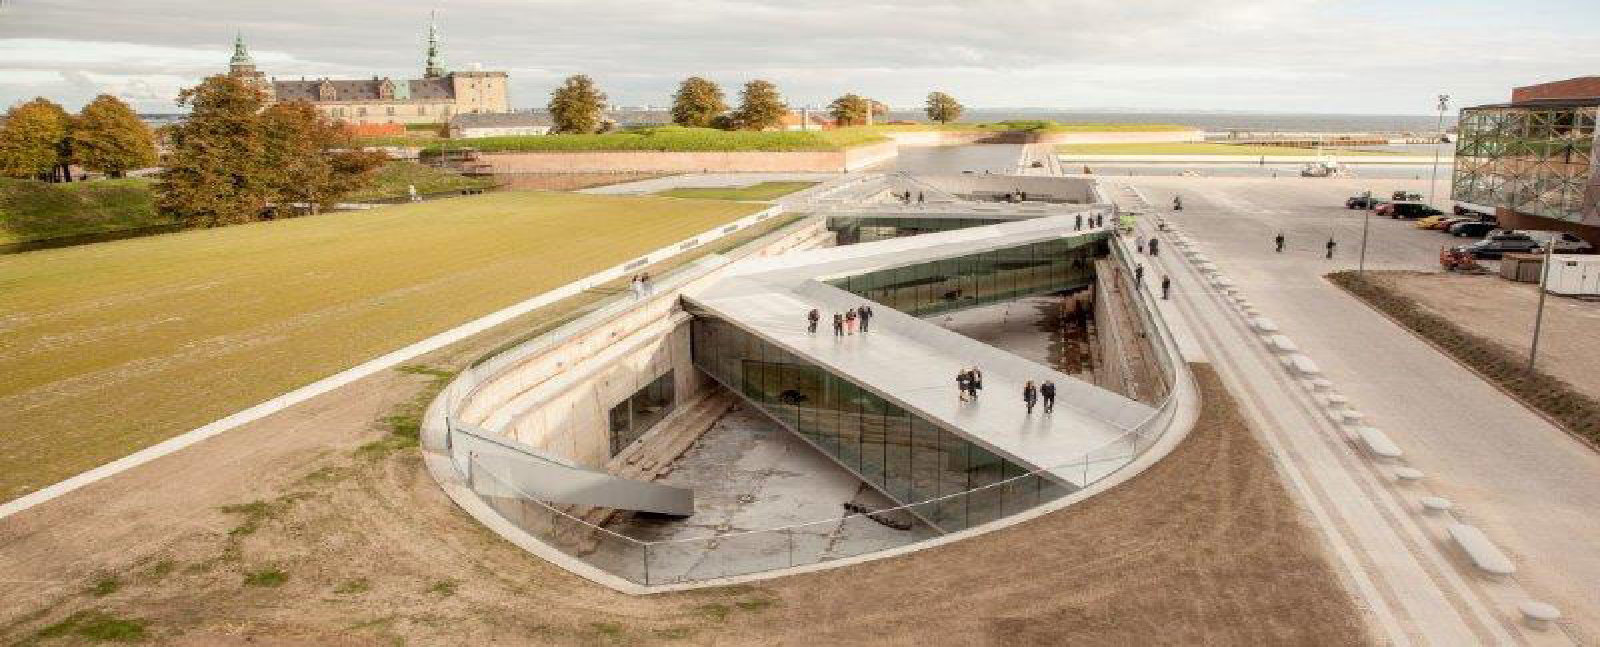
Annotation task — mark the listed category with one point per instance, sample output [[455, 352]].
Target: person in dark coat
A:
[[976, 382], [1048, 390], [1278, 241], [1077, 223], [963, 384], [919, 198], [1030, 395], [1155, 247], [864, 313], [838, 325], [811, 321], [1138, 276], [1166, 287], [1330, 247]]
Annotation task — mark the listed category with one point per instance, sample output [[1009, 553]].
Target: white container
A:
[[1573, 274]]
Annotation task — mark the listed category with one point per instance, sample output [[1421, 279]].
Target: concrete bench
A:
[[1436, 504], [1303, 365], [1538, 614], [1483, 553], [1350, 417], [1408, 474], [1221, 281], [1378, 443], [1264, 325], [1336, 400], [1321, 385], [1282, 344]]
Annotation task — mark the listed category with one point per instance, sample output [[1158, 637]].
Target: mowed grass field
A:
[[109, 348], [1202, 148], [761, 191]]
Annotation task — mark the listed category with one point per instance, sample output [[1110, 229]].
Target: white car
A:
[[1565, 243]]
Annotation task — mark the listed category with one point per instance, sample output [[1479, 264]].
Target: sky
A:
[[1303, 56]]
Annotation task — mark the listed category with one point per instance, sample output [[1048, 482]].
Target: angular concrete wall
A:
[[696, 162]]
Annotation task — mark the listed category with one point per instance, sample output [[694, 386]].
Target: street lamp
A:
[[1444, 104], [1538, 317], [1366, 196]]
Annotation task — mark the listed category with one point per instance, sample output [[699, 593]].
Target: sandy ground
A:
[[1204, 548], [1503, 310]]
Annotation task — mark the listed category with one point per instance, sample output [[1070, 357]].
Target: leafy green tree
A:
[[760, 106], [108, 138], [33, 143], [577, 106], [215, 172], [850, 110], [697, 102], [311, 160], [943, 108]]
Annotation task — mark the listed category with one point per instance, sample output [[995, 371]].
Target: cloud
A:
[[1292, 55]]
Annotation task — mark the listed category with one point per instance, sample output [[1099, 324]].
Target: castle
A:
[[433, 99]]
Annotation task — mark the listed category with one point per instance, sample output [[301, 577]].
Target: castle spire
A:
[[435, 66], [241, 56]]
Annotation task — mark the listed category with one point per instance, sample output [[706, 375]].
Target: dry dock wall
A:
[[690, 162]]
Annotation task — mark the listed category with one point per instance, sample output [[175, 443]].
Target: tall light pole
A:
[[1444, 104], [1538, 317], [1361, 267]]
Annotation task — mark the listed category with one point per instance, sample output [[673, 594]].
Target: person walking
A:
[[963, 384], [1155, 249], [1177, 203], [1278, 240], [1166, 287], [1030, 395], [811, 321], [1138, 276], [636, 284], [1139, 243], [1330, 247], [850, 322], [1048, 391], [919, 198], [977, 382], [838, 325], [644, 283], [864, 313]]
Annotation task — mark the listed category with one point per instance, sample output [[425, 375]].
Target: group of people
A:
[[1031, 395], [1328, 247], [1095, 221], [640, 285], [969, 381], [844, 323], [906, 197]]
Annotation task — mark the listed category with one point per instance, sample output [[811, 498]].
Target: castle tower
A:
[[435, 66], [241, 65]]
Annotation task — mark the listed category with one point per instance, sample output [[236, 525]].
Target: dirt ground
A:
[[1504, 310], [327, 543]]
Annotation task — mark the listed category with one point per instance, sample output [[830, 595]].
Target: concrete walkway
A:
[[1526, 484]]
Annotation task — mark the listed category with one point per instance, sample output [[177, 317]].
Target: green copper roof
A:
[[240, 55]]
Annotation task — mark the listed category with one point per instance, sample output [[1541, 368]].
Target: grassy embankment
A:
[[33, 210], [755, 192], [391, 182], [1204, 148], [113, 347], [667, 138]]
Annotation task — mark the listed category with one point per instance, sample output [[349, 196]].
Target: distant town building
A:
[[806, 119], [433, 99], [1533, 161], [469, 126]]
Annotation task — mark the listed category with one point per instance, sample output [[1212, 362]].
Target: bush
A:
[[1555, 398]]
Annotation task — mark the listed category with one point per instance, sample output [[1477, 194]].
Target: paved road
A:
[[1530, 486]]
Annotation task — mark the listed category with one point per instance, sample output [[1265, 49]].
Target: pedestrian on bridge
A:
[[1077, 224], [975, 381], [1030, 395], [1330, 247], [1138, 276], [1166, 287], [1139, 243], [838, 325], [811, 321], [1155, 249], [1048, 390], [1278, 240], [963, 384], [850, 321], [864, 313], [919, 198]]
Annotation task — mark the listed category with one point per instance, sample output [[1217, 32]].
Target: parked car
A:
[[1564, 243], [1464, 211], [1430, 222], [1446, 223], [1399, 210], [1495, 246], [1362, 202], [1472, 229]]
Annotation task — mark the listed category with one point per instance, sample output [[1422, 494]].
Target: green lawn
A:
[[756, 192], [1037, 125], [1201, 148], [112, 347], [32, 210], [391, 182]]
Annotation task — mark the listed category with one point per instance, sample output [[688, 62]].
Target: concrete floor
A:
[[1527, 484], [749, 474], [1025, 328]]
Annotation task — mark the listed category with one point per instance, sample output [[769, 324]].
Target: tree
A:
[[577, 106], [109, 138], [697, 103], [943, 108], [215, 173], [850, 110], [312, 161], [760, 106], [33, 143]]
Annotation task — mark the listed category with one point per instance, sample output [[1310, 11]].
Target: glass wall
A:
[[965, 281], [903, 455], [866, 229], [641, 411], [1533, 159]]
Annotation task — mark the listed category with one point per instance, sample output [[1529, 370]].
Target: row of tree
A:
[[578, 106], [41, 140], [232, 161]]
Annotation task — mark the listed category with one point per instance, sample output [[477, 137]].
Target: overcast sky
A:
[[1376, 57]]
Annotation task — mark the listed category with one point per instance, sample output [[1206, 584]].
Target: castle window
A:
[[422, 110], [361, 112], [390, 111]]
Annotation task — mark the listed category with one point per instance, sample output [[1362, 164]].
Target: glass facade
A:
[[977, 279], [1533, 159], [903, 455], [641, 411], [866, 229]]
